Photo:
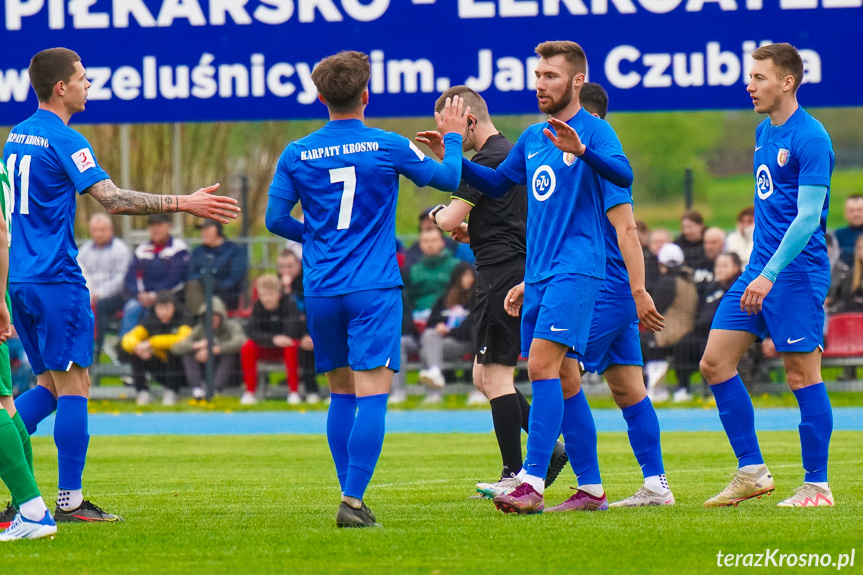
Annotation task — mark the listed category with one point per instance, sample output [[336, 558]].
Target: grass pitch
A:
[[266, 504]]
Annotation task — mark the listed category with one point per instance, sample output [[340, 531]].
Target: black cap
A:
[[158, 219]]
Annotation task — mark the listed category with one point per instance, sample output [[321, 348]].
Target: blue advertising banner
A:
[[211, 60]]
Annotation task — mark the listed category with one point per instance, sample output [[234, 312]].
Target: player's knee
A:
[[541, 368], [712, 368]]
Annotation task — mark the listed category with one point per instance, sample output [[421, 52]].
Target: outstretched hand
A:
[[453, 117], [204, 204], [566, 138], [514, 300], [434, 140]]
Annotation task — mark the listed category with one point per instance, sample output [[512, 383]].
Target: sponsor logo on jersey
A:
[[568, 158], [763, 182], [83, 159], [783, 156], [543, 183]]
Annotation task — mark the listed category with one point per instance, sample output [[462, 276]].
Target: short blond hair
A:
[[269, 283]]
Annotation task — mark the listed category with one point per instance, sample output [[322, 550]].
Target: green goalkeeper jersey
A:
[[6, 213]]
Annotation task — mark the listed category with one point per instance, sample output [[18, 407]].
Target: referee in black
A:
[[496, 234]]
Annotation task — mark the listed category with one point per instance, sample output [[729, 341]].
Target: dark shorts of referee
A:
[[498, 335]]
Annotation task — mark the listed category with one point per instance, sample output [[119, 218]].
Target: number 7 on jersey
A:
[[348, 175]]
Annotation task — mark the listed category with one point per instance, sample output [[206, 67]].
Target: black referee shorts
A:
[[498, 335]]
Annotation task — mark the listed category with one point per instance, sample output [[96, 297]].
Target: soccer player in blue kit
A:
[[614, 350], [782, 291], [346, 177], [48, 162], [565, 264]]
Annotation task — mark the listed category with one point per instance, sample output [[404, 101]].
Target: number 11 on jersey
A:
[[348, 175]]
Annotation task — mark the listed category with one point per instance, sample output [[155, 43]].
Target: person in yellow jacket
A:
[[148, 345]]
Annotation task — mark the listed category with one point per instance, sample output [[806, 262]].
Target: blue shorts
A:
[[614, 338], [792, 314], [559, 309], [360, 330], [55, 324]]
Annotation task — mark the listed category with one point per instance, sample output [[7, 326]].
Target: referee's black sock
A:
[[507, 417], [525, 411]]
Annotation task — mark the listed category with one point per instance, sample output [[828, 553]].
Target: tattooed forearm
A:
[[127, 202]]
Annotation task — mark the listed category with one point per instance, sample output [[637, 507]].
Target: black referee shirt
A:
[[496, 225]]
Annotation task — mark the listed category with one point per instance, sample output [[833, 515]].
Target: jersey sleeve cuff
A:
[[468, 202], [84, 185], [814, 181]]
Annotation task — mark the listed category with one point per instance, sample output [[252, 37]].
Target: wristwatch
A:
[[433, 213]]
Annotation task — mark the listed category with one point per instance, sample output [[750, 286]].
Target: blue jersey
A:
[[346, 176], [797, 153], [616, 284], [565, 207], [47, 162]]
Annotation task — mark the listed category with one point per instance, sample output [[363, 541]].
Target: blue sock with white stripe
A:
[[738, 419], [546, 416], [72, 439], [340, 423], [34, 406], [642, 426], [816, 427], [579, 434], [365, 443]]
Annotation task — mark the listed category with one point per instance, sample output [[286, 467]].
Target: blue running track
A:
[[398, 421]]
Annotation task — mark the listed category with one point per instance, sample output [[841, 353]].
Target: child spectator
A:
[[449, 332], [275, 330], [228, 338], [148, 346]]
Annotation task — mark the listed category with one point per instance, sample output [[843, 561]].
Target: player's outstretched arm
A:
[[810, 202], [491, 182], [615, 169], [280, 221], [202, 203], [623, 221]]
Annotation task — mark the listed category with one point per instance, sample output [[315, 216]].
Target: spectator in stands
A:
[[415, 252], [429, 277], [149, 345], [740, 240], [290, 269], [229, 261], [104, 260], [846, 295], [657, 239], [714, 244], [449, 332], [840, 279], [847, 236], [275, 330], [228, 338], [676, 299], [691, 240], [159, 264], [688, 351]]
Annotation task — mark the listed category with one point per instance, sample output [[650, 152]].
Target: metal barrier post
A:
[[208, 274]]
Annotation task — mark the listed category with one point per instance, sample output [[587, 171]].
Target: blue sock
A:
[[816, 426], [579, 434], [340, 423], [34, 406], [546, 416], [71, 438], [642, 426], [738, 419], [365, 443]]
